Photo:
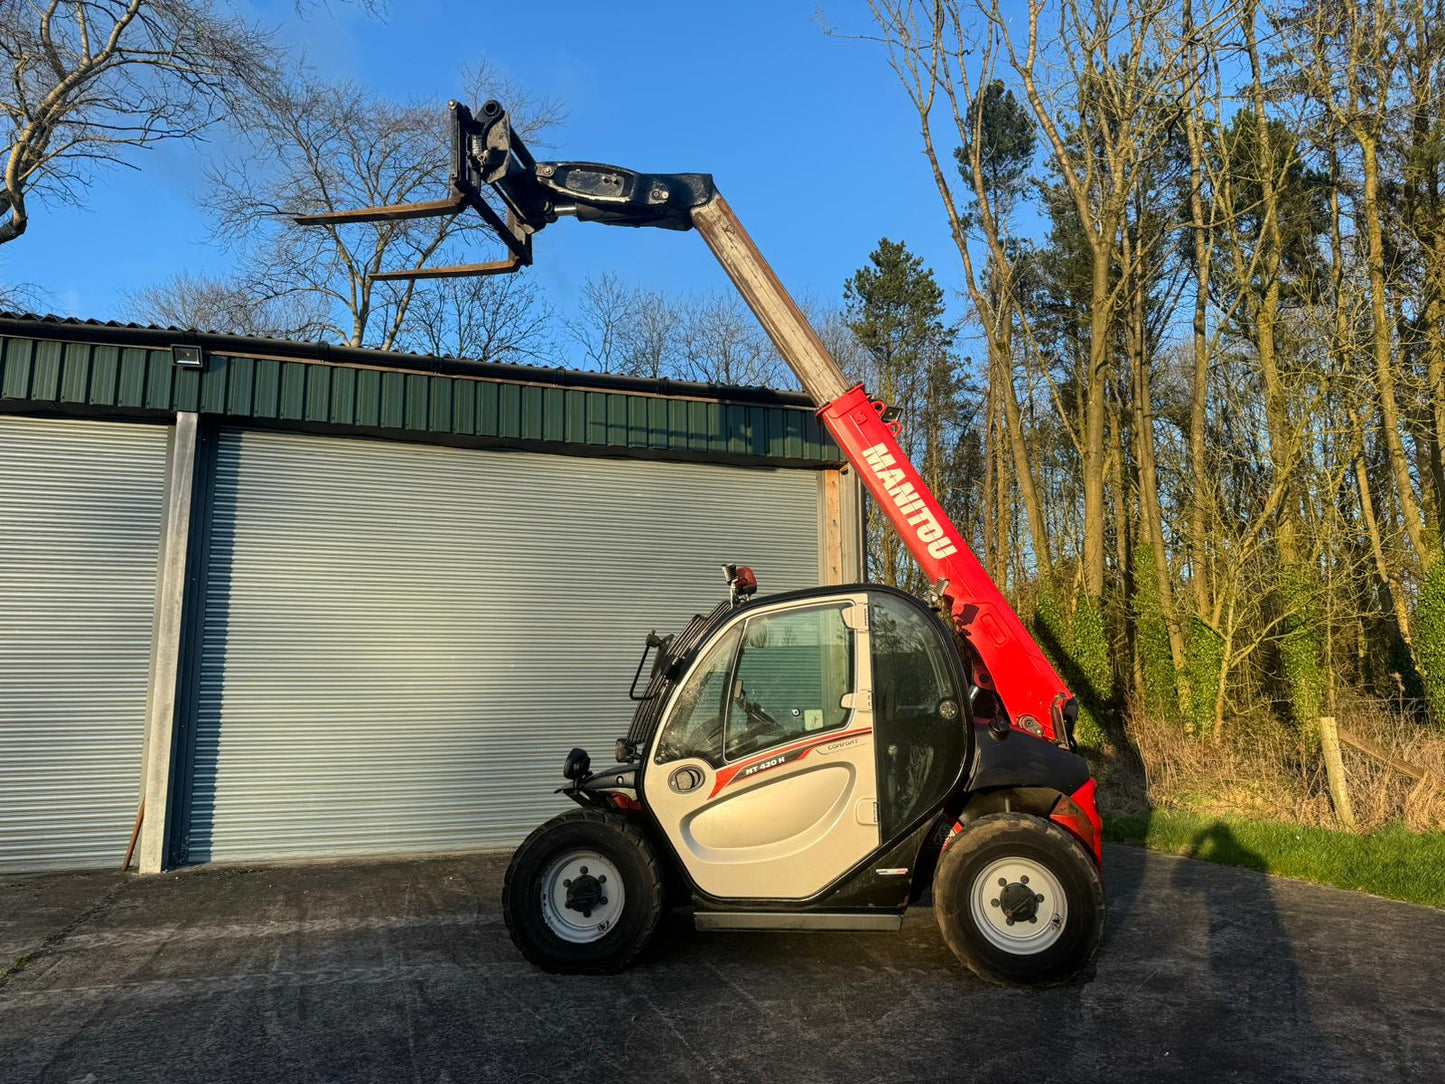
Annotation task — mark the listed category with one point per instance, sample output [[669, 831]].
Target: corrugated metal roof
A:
[[123, 370], [41, 325]]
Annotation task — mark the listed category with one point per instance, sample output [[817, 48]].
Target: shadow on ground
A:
[[402, 969]]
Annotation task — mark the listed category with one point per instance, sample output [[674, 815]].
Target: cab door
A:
[[920, 730], [763, 772]]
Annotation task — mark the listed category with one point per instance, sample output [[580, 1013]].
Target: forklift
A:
[[816, 760]]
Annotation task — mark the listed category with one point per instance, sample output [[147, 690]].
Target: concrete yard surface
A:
[[401, 970]]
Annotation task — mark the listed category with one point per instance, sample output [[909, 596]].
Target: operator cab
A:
[[810, 729]]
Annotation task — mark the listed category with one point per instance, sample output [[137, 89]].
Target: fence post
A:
[[1335, 771]]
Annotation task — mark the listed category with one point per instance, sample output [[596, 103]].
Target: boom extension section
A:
[[488, 154]]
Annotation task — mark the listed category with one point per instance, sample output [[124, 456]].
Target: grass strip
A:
[[1393, 861]]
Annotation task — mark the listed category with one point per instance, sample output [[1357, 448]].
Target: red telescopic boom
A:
[[487, 153]]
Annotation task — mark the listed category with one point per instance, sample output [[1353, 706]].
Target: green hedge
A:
[[1151, 638], [1205, 660], [1301, 649]]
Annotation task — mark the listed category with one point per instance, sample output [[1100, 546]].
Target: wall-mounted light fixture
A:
[[189, 356]]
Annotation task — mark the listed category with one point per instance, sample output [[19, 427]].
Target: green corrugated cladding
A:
[[122, 379]]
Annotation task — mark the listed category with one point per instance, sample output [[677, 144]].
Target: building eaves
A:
[[114, 333]]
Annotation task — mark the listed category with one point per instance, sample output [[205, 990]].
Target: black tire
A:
[[1065, 947], [619, 842]]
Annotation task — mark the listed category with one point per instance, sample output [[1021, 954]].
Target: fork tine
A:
[[395, 212]]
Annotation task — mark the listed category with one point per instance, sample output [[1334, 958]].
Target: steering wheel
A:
[[763, 722]]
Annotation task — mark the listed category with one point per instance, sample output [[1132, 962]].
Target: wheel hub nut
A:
[[583, 894], [1019, 903]]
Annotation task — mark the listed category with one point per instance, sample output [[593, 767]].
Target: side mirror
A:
[[576, 765]]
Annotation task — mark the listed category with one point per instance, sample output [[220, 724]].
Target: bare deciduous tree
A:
[[1101, 127], [619, 327], [721, 343], [210, 304], [653, 338], [944, 70], [602, 322], [623, 328], [831, 324], [497, 318], [20, 297], [91, 81]]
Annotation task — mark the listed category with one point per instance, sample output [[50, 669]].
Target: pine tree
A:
[[895, 309]]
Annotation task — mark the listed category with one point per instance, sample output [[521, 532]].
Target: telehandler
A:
[[815, 760]]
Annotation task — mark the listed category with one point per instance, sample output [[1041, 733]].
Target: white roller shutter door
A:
[[80, 523], [401, 642]]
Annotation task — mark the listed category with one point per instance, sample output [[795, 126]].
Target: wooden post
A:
[[851, 515], [830, 536], [1335, 771]]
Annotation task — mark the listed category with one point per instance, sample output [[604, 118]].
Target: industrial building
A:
[[303, 600]]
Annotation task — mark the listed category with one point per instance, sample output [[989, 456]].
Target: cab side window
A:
[[695, 727], [793, 670]]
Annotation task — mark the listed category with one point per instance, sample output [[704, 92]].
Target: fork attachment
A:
[[488, 153]]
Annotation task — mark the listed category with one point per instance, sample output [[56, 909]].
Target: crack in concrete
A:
[[48, 945]]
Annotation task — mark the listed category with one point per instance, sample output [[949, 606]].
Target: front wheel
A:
[[1018, 901], [583, 893]]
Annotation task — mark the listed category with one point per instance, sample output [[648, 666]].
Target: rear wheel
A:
[[583, 893], [1018, 901]]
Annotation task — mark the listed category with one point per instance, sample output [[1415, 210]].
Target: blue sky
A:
[[809, 136]]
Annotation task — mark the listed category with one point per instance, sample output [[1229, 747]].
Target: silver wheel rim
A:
[[590, 918], [1006, 918]]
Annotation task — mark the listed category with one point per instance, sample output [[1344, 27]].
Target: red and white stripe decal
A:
[[787, 754]]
